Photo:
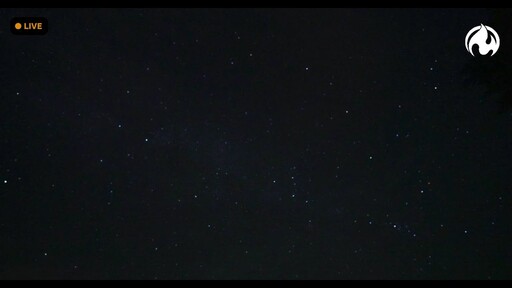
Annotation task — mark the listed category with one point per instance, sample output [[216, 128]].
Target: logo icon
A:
[[485, 37]]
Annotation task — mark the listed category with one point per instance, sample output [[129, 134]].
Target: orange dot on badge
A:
[[17, 26]]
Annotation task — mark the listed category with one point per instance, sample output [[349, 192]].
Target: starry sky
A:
[[255, 144]]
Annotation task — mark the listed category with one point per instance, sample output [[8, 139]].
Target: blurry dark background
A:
[[255, 143]]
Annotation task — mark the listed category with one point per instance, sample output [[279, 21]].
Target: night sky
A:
[[255, 144]]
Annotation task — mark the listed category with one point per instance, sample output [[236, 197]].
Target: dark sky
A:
[[252, 144]]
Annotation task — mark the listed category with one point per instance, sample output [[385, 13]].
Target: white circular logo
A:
[[485, 37]]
